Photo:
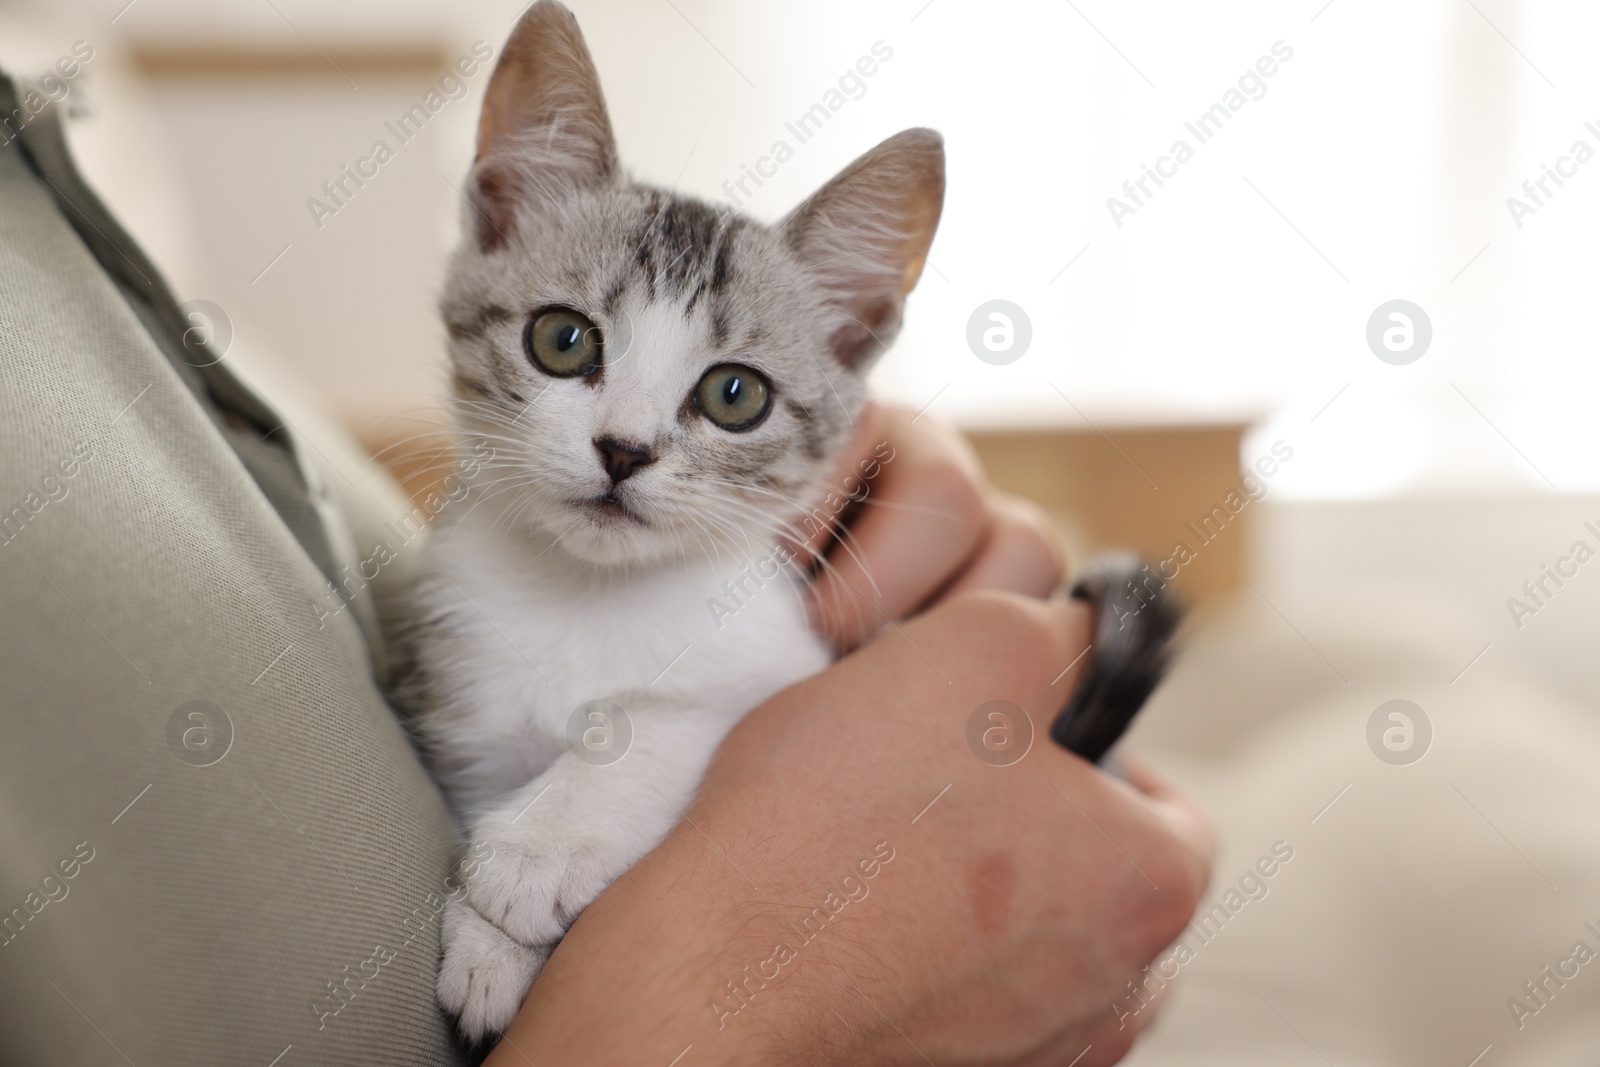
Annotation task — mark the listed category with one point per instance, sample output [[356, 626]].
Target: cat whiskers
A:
[[842, 533], [823, 564], [453, 438], [797, 588], [531, 495], [774, 527], [747, 516]]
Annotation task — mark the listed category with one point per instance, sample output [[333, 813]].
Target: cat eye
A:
[[563, 343], [733, 397]]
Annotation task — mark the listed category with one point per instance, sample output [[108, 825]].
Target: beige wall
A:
[[1377, 165]]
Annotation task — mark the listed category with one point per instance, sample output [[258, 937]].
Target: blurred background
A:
[[1178, 335]]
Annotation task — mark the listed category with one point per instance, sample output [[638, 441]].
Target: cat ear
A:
[[865, 235], [544, 133]]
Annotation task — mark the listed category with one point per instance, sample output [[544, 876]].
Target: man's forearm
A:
[[822, 904], [640, 978]]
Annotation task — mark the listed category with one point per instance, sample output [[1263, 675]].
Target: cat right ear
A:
[[544, 133], [864, 237]]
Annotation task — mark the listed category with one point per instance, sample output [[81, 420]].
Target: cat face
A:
[[660, 377]]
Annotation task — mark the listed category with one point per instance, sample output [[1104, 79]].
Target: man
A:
[[216, 845]]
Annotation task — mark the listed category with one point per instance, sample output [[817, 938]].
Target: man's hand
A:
[[924, 527], [1017, 903]]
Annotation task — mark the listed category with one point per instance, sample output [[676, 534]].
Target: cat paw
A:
[[485, 974], [538, 882]]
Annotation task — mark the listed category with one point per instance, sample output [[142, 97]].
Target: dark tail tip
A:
[[1136, 617]]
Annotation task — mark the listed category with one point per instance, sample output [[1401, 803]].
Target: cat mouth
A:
[[609, 508]]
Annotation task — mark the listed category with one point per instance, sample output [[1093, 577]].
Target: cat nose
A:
[[620, 458]]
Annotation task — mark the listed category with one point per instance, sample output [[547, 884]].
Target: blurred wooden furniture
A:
[[1145, 489], [289, 60]]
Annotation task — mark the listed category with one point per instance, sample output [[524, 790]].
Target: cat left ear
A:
[[865, 235], [544, 133]]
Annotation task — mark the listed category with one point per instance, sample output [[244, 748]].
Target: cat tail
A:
[[1136, 617]]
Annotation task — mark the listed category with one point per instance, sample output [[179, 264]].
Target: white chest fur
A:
[[529, 636], [518, 637]]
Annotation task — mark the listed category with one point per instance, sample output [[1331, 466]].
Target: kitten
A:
[[663, 387]]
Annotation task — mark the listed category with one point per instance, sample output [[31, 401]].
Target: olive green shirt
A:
[[216, 844]]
